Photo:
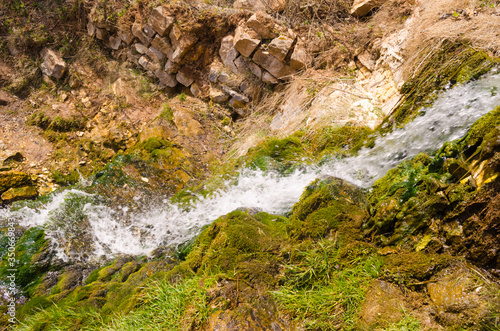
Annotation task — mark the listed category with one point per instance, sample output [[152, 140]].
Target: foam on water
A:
[[170, 224]]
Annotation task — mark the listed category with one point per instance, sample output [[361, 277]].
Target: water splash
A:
[[110, 232]]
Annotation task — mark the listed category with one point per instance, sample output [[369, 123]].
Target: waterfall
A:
[[130, 232]]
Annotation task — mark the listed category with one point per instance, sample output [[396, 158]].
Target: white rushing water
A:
[[131, 232]]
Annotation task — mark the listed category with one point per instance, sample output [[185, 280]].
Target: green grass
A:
[[324, 289], [168, 307], [164, 307]]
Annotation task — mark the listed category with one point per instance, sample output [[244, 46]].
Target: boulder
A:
[[195, 90], [165, 78], [114, 42], [139, 48], [241, 65], [163, 45], [268, 62], [279, 47], [122, 89], [255, 69], [263, 24], [53, 65], [182, 42], [246, 40], [161, 21], [137, 32], [184, 77], [217, 95], [171, 67], [126, 35], [149, 31], [362, 7], [228, 53], [19, 193], [155, 54]]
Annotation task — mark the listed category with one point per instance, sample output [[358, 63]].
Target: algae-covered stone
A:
[[13, 178], [19, 193], [324, 206], [237, 242]]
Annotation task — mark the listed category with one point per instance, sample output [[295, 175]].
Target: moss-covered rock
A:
[[19, 193], [237, 243], [13, 178], [326, 204]]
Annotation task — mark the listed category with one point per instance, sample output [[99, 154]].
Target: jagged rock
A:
[[235, 95], [155, 54], [217, 95], [53, 65], [300, 58], [19, 193], [279, 47], [161, 21], [126, 36], [163, 45], [137, 32], [13, 178], [263, 24], [171, 67], [165, 78], [114, 42], [184, 77], [228, 53], [268, 78], [246, 40], [101, 34], [362, 7], [139, 48], [5, 98], [255, 69], [268, 62], [182, 43]]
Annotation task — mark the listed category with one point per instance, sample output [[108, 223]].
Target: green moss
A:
[[234, 242], [32, 255], [56, 123], [340, 140], [275, 154]]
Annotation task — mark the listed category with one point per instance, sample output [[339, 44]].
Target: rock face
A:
[[53, 65], [172, 53], [362, 7]]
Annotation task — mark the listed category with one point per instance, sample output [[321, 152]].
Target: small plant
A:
[[167, 112], [182, 96]]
